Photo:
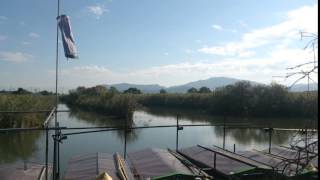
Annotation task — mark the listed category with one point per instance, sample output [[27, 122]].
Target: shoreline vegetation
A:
[[23, 100], [102, 100], [241, 99]]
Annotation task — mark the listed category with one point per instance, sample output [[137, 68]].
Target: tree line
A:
[[241, 99]]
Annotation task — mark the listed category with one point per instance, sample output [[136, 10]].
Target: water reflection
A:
[[199, 116], [96, 119], [244, 136], [247, 136], [17, 146]]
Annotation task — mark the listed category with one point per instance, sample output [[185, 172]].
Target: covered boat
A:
[[225, 164], [25, 171], [97, 165], [163, 164]]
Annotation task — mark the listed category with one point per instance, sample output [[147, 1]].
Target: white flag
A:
[[64, 24]]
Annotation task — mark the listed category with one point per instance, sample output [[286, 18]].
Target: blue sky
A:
[[166, 42]]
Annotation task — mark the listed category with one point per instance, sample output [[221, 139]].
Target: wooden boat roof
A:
[[278, 165], [224, 164], [33, 171], [89, 166], [154, 163]]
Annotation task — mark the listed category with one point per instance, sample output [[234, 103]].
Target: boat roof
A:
[[224, 164], [23, 170], [155, 163], [89, 166], [279, 165]]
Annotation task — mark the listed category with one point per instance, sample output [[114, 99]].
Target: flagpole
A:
[[55, 144]]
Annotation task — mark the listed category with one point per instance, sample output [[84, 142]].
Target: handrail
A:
[[45, 123], [25, 112], [133, 128]]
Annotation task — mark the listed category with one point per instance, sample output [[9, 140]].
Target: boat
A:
[[225, 164], [157, 164], [24, 170], [95, 165]]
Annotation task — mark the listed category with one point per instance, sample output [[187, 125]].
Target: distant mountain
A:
[[155, 88], [211, 83], [304, 87], [149, 88]]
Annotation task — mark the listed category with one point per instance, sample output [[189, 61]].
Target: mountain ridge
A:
[[212, 83]]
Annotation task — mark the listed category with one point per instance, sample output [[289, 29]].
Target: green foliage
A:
[[204, 90], [132, 91], [113, 90], [21, 91], [163, 91], [100, 99], [24, 102], [192, 90], [242, 99]]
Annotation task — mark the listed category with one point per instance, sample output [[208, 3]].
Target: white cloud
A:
[[220, 28], [255, 69], [3, 18], [188, 51], [217, 27], [302, 19], [97, 10], [25, 43], [243, 24], [2, 38], [22, 23], [34, 35], [14, 56]]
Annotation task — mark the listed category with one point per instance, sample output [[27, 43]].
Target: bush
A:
[[100, 99]]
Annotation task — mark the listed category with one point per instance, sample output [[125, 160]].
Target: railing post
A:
[[125, 140], [270, 139], [234, 148], [224, 132], [214, 160], [58, 153], [177, 134], [47, 151], [54, 171]]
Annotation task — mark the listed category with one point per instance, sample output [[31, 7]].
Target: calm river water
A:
[[30, 146]]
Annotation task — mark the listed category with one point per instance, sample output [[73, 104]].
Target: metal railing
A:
[[61, 135]]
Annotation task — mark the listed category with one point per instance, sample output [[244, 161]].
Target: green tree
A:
[[192, 90], [204, 90], [132, 91], [113, 90], [21, 91], [163, 91]]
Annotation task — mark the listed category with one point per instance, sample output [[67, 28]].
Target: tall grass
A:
[[26, 102], [100, 100]]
